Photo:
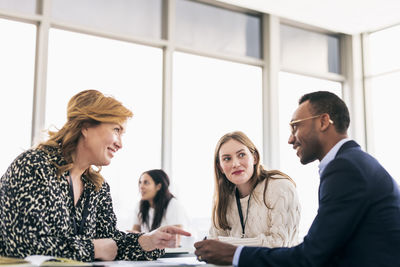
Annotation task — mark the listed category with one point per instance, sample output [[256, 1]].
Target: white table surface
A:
[[171, 262]]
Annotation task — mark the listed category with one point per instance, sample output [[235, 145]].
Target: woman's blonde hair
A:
[[224, 189], [87, 108]]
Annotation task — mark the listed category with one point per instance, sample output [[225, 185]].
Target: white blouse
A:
[[277, 226], [174, 215]]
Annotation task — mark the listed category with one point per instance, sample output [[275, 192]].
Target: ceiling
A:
[[344, 16]]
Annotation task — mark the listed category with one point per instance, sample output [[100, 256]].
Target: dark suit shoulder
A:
[[355, 168]]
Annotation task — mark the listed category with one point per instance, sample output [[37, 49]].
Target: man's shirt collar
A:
[[331, 155]]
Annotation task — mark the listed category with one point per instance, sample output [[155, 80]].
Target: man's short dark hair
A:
[[327, 102]]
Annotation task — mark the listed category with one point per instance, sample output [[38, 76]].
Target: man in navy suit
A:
[[358, 220]]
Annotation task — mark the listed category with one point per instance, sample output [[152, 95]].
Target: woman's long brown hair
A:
[[224, 189]]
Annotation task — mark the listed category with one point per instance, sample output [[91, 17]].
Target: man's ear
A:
[[325, 121]]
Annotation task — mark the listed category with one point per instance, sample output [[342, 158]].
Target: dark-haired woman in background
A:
[[158, 207]]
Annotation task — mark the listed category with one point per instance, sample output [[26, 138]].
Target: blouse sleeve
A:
[[27, 221], [128, 244]]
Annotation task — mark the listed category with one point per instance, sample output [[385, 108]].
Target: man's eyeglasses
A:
[[293, 124]]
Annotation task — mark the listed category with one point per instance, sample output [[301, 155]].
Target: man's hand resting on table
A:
[[215, 252]]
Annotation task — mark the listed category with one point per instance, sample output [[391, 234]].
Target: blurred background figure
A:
[[158, 206]]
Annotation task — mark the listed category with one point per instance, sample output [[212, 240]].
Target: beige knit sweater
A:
[[275, 227]]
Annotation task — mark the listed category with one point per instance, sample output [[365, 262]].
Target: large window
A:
[[210, 98], [186, 71], [291, 88], [132, 74], [383, 93], [17, 60]]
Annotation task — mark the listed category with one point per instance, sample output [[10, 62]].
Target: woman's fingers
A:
[[174, 230]]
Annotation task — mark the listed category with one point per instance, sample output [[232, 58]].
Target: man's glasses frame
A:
[[294, 123]]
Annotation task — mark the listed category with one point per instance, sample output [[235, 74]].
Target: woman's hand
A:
[[105, 249], [163, 237]]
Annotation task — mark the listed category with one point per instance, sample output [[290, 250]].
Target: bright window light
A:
[[384, 51], [210, 98], [384, 95], [17, 61]]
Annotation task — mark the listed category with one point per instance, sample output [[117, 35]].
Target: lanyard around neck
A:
[[84, 212], [239, 206]]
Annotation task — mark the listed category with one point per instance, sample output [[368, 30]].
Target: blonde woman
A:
[[52, 202], [252, 206]]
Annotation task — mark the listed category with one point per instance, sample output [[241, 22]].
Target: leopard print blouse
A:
[[37, 213]]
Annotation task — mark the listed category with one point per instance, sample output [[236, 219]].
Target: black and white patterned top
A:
[[36, 213]]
